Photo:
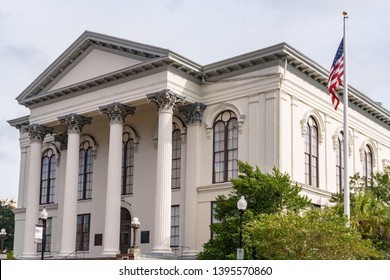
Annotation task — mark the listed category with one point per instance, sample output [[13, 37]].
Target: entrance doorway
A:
[[125, 231]]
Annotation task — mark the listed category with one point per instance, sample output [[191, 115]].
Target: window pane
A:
[[48, 176], [85, 171], [82, 232], [175, 219], [176, 158], [127, 164]]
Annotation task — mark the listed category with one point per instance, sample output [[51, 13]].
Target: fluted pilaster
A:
[[193, 121], [193, 113]]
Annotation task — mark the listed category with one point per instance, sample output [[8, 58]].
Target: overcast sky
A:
[[33, 33]]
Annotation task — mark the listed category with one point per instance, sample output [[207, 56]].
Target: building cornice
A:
[[154, 59], [19, 122]]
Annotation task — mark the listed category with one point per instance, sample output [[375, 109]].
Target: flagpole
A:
[[345, 128]]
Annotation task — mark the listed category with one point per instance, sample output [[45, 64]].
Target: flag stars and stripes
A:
[[335, 75]]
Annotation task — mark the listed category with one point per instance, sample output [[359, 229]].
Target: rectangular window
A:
[[49, 226], [48, 177], [127, 164], [82, 232], [85, 172], [175, 218], [176, 158], [340, 164]]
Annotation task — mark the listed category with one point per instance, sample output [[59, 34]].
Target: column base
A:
[[189, 254], [110, 253], [29, 256], [161, 251]]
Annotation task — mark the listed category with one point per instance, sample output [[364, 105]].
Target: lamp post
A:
[[241, 205], [135, 225], [44, 216], [3, 235]]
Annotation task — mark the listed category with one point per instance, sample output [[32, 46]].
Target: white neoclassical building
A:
[[119, 129]]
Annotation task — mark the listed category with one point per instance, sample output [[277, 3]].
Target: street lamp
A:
[[241, 205], [44, 216], [3, 235], [135, 225]]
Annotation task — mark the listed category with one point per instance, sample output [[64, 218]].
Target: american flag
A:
[[335, 75]]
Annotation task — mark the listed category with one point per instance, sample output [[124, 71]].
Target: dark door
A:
[[125, 232]]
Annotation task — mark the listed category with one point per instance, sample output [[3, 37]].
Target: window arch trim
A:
[[54, 148], [133, 135], [214, 113], [92, 143], [373, 149], [319, 121], [335, 138]]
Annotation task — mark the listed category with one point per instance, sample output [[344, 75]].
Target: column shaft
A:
[[32, 207], [162, 229], [113, 196], [117, 112], [37, 133], [69, 217], [74, 124], [165, 101]]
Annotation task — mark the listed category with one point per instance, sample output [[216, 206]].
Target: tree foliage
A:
[[278, 224], [312, 235], [370, 208], [264, 193], [7, 221]]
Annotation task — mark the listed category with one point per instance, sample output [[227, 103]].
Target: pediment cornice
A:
[[83, 45]]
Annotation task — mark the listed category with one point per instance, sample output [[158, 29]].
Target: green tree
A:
[[312, 235], [264, 192], [371, 217], [7, 221], [379, 185]]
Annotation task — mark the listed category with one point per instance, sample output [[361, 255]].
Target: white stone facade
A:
[[117, 86]]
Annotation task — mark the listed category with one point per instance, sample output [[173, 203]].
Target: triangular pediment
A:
[[90, 57], [95, 64]]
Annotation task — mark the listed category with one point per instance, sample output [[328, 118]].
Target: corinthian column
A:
[[165, 101], [37, 133], [117, 113], [193, 121], [74, 123]]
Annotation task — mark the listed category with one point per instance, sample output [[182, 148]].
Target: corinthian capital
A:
[[37, 132], [74, 122], [165, 99], [193, 113], [116, 111]]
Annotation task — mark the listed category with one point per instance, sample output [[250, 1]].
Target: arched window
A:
[[127, 164], [85, 171], [225, 147], [48, 177], [340, 162], [311, 153], [367, 164], [176, 157]]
